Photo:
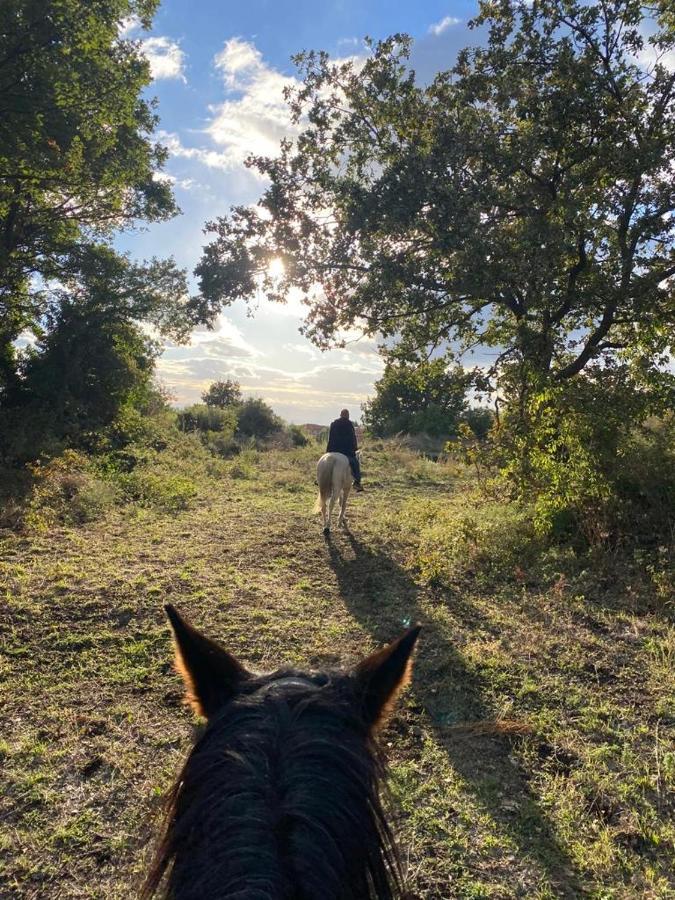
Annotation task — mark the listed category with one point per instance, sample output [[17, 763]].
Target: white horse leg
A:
[[343, 499], [331, 504]]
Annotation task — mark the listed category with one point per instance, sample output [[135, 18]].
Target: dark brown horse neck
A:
[[279, 800]]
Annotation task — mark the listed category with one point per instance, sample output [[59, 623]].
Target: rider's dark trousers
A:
[[356, 468]]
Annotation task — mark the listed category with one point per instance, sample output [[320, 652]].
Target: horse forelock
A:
[[279, 798]]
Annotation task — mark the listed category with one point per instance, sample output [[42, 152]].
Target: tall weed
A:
[[490, 544]]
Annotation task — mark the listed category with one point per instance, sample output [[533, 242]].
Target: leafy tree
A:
[[423, 397], [92, 357], [89, 365], [202, 417], [223, 394], [480, 420], [298, 436], [257, 419], [523, 200], [77, 158]]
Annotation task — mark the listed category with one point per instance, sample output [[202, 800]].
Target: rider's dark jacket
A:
[[342, 438]]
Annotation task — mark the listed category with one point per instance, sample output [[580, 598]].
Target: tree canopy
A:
[[415, 398], [223, 394], [257, 419], [77, 158], [523, 200], [91, 356]]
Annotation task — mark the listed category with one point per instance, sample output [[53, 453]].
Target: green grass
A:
[[579, 651]]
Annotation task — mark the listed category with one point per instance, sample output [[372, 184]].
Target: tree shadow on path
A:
[[383, 597]]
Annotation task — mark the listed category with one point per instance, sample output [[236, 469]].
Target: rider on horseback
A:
[[342, 439]]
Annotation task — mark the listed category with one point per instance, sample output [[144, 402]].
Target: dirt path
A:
[[94, 728]]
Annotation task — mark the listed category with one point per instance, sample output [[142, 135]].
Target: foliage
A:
[[223, 394], [417, 397], [479, 420], [76, 149], [92, 359], [216, 427], [522, 201], [257, 420], [204, 417], [298, 437], [591, 474], [66, 491], [149, 422], [168, 491], [491, 546]]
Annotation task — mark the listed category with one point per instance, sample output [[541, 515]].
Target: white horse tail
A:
[[324, 476]]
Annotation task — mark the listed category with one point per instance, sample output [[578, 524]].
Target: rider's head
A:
[[344, 413]]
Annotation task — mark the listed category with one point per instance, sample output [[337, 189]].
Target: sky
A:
[[218, 72]]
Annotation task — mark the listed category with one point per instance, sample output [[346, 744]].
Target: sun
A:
[[276, 268]]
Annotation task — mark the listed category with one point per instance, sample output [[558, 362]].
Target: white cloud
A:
[[305, 349], [239, 61], [166, 58], [650, 56], [443, 25], [129, 27], [254, 117], [318, 392], [225, 333], [211, 158]]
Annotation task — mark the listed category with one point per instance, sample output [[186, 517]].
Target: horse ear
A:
[[210, 673], [381, 676]]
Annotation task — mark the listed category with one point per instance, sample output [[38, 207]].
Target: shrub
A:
[[171, 492], [421, 397], [220, 443], [215, 427], [245, 466], [589, 473], [298, 437], [257, 420], [480, 420], [204, 418], [66, 491], [89, 363], [223, 394], [497, 544]]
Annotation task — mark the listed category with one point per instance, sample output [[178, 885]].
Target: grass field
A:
[[574, 800]]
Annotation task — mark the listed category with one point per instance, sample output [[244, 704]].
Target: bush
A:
[[246, 465], [158, 489], [298, 437], [204, 418], [257, 420], [480, 420], [223, 394], [495, 545], [220, 443], [422, 397], [66, 491], [88, 364], [644, 482], [215, 427], [591, 476]]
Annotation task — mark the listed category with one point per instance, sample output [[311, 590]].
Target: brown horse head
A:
[[279, 799]]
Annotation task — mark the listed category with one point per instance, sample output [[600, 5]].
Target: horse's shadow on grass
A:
[[384, 598]]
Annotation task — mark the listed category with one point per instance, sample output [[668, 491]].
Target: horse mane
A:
[[279, 799]]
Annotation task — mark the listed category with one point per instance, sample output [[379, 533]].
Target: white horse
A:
[[334, 477]]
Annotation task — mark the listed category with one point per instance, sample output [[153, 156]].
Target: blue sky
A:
[[219, 70]]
